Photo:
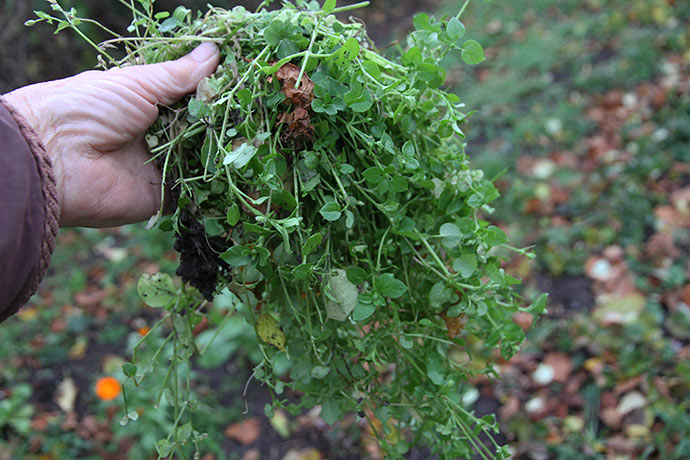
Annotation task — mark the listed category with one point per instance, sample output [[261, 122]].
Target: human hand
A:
[[93, 126]]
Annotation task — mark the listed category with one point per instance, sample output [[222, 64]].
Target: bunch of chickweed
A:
[[323, 187]]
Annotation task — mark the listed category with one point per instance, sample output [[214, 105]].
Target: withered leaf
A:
[[303, 95]]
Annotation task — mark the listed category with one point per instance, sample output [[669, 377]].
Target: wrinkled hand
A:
[[93, 126]]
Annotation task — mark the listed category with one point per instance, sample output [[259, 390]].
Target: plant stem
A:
[[350, 7], [440, 263], [155, 326], [308, 52], [215, 334], [462, 10]]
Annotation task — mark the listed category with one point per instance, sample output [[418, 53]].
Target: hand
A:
[[93, 126]]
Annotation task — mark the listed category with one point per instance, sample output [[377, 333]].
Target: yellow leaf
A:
[[268, 330]]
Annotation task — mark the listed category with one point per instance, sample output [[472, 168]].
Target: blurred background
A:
[[581, 112]]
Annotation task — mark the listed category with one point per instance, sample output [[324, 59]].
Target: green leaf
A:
[[301, 272], [406, 342], [472, 52], [164, 447], [389, 286], [455, 29], [237, 256], [244, 96], [356, 275], [169, 25], [276, 31], [493, 236], [450, 235], [399, 184], [157, 290], [363, 105], [465, 265], [538, 307], [129, 369], [363, 311], [184, 432], [311, 243], [428, 71], [435, 370], [198, 109], [318, 106], [233, 215], [421, 22], [330, 211], [439, 294], [350, 49], [412, 57], [373, 175], [330, 411], [240, 156], [349, 219], [181, 13], [328, 6], [341, 294], [287, 48], [372, 68], [319, 372]]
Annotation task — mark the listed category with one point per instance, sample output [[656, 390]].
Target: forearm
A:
[[29, 211]]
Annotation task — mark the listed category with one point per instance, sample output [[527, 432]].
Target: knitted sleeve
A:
[[29, 211]]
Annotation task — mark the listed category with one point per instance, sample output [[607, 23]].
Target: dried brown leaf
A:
[[561, 364], [301, 96], [245, 432]]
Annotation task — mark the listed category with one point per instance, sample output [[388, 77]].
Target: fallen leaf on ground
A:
[[617, 310], [78, 350], [509, 409], [303, 454], [245, 432], [251, 454], [543, 375], [620, 445], [90, 297], [573, 424], [611, 417], [561, 364], [281, 424], [631, 401], [66, 395]]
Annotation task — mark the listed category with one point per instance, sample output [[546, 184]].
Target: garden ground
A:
[[583, 115]]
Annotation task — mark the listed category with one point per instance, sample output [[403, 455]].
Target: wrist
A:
[[37, 135]]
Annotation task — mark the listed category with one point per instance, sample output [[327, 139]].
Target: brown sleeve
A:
[[29, 211]]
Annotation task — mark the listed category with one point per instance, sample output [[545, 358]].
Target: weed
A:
[[323, 189]]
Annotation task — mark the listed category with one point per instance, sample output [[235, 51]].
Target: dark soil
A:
[[199, 255], [567, 293]]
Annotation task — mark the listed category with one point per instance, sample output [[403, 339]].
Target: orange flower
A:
[[107, 388], [143, 330]]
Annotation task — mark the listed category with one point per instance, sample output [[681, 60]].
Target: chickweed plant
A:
[[324, 189]]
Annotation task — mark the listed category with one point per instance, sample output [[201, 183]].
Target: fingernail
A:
[[204, 52]]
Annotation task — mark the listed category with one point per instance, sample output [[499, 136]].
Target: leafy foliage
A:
[[325, 189]]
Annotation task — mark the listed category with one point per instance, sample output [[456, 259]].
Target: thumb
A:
[[166, 82]]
